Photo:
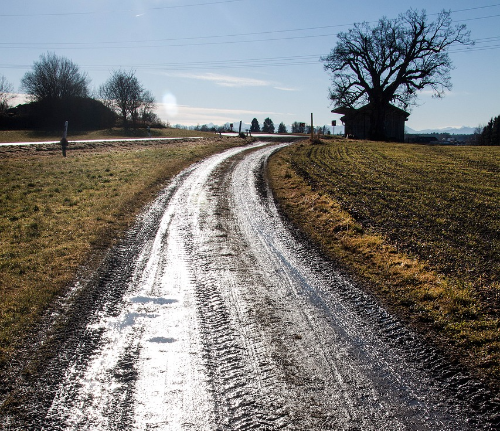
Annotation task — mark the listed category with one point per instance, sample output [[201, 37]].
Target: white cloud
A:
[[192, 115], [286, 89], [226, 80], [232, 81]]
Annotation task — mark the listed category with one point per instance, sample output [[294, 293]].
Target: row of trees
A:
[[490, 134], [267, 126], [58, 89]]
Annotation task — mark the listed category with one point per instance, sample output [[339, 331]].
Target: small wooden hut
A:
[[357, 122]]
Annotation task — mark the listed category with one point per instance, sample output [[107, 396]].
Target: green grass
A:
[[57, 213], [419, 223]]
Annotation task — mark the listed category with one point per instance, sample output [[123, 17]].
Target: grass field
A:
[[34, 136], [57, 213], [419, 224]]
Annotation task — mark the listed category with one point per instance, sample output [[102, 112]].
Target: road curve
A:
[[213, 315]]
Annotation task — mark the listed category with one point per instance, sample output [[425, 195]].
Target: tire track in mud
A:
[[235, 358]]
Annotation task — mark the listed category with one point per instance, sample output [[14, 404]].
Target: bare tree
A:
[[6, 94], [53, 78], [146, 111], [391, 62], [125, 95], [298, 127]]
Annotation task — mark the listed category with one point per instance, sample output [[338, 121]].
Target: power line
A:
[[131, 44], [477, 18], [173, 39], [180, 45], [176, 7], [288, 61], [192, 5], [136, 42], [479, 48], [214, 64], [115, 11], [475, 8]]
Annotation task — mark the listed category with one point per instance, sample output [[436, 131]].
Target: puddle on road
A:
[[156, 301]]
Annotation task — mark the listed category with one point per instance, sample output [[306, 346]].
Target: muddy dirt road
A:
[[212, 315]]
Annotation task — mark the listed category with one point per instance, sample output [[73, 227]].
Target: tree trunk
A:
[[124, 118], [377, 131]]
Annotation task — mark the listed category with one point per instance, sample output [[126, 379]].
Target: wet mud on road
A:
[[213, 315]]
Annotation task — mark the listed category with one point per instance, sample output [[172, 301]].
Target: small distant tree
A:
[[6, 94], [298, 127], [55, 78], [268, 126], [123, 93], [255, 127], [282, 128]]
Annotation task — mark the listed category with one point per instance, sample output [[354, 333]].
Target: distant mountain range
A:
[[464, 130]]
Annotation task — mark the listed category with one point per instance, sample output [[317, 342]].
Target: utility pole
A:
[[312, 127], [64, 140]]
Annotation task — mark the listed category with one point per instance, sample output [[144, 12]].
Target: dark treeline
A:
[[490, 134], [82, 113], [441, 138], [59, 91]]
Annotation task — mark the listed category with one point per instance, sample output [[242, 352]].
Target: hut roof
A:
[[343, 110]]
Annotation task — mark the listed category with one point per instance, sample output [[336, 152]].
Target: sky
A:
[[219, 61]]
